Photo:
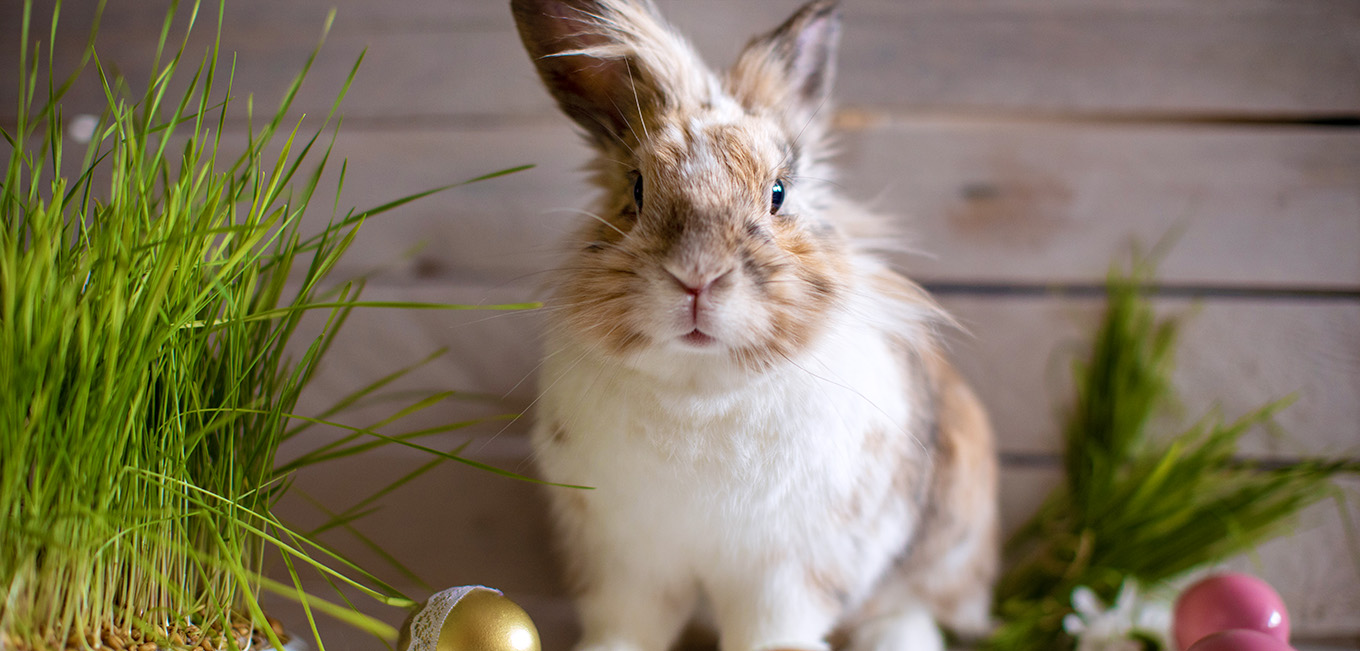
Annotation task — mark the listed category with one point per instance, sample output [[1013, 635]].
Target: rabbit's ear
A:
[[610, 64], [790, 69]]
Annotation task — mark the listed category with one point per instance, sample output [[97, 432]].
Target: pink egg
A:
[[1229, 601], [1240, 639]]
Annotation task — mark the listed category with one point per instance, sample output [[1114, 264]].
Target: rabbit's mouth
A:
[[697, 337]]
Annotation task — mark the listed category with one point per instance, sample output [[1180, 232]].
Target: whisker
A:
[[637, 102], [594, 216], [589, 350], [528, 408], [609, 130], [831, 182], [812, 118], [623, 164], [625, 115]]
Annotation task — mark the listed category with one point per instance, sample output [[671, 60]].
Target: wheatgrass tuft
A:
[[147, 302]]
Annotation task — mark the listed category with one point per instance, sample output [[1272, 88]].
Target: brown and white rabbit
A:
[[772, 433]]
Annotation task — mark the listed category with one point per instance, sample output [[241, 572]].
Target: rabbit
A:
[[773, 438]]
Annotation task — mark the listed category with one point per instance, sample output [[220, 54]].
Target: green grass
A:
[[1134, 504], [145, 329]]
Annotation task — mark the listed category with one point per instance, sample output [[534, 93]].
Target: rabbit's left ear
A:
[[790, 69], [610, 64]]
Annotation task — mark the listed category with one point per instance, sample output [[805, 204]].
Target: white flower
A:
[[1127, 626]]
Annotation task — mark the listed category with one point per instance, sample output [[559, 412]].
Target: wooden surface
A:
[[1024, 146]]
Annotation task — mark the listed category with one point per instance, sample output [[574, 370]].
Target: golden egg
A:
[[486, 621]]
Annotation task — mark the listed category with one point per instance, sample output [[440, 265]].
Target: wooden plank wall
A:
[[1025, 145]]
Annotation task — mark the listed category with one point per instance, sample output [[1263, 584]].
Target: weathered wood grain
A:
[[993, 203], [1046, 203], [360, 15], [459, 526], [431, 61], [1023, 143], [1234, 354], [981, 202]]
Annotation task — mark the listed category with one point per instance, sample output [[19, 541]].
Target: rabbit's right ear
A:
[[610, 64], [789, 70]]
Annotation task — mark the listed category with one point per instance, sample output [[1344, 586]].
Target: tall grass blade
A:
[[151, 310]]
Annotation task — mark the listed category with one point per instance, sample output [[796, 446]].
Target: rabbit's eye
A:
[[637, 193], [776, 196]]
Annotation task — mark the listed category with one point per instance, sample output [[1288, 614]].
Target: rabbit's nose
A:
[[697, 283]]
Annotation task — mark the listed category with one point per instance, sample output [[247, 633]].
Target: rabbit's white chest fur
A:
[[722, 479]]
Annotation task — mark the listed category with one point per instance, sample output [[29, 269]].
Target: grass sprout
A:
[[147, 304], [1139, 506]]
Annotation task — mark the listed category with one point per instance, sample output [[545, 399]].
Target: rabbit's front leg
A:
[[626, 606], [775, 610], [912, 629]]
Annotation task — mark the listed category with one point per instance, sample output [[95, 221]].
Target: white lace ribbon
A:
[[427, 624]]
